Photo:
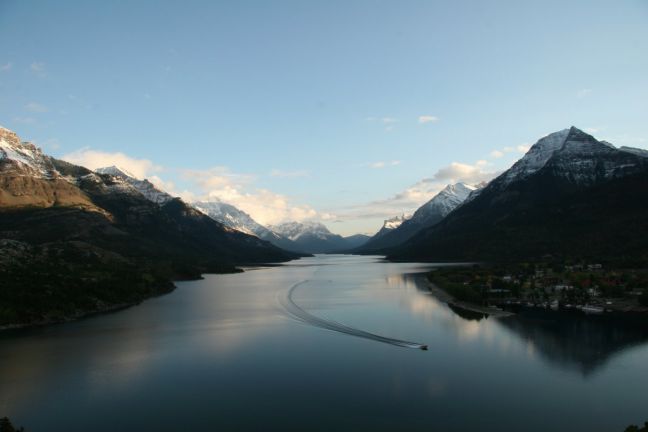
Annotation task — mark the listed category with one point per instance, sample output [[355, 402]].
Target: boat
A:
[[589, 309], [424, 347]]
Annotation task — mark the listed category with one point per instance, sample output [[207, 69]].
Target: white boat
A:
[[589, 309]]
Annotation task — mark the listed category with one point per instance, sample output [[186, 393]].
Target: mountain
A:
[[571, 196], [144, 187], [390, 225], [76, 241], [306, 237], [397, 231], [355, 241], [232, 217], [314, 237]]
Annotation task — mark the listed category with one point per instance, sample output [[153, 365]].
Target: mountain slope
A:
[[232, 217], [144, 187], [425, 216], [72, 231], [314, 237], [390, 225], [569, 196]]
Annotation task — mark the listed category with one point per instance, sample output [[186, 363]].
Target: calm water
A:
[[227, 353]]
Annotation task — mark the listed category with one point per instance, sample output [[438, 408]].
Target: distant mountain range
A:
[[398, 230], [306, 237], [67, 229], [571, 196], [73, 241], [314, 237]]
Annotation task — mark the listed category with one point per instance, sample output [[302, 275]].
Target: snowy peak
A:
[[444, 202], [116, 171], [9, 137], [23, 158], [125, 180], [391, 224], [395, 222], [232, 217], [296, 230], [580, 143], [537, 156], [573, 155]]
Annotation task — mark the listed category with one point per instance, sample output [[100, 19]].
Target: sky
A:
[[346, 112]]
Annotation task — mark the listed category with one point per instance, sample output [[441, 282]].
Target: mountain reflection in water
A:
[[222, 354], [569, 340]]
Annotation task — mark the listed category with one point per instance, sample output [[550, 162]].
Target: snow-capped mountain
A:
[[295, 230], [442, 204], [391, 224], [430, 213], [124, 179], [536, 157], [395, 222], [23, 158], [569, 196], [234, 218], [314, 237], [28, 177], [576, 157]]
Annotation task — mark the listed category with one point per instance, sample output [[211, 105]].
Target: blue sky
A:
[[342, 111]]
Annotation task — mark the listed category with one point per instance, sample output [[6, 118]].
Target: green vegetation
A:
[[546, 283], [6, 426], [61, 281]]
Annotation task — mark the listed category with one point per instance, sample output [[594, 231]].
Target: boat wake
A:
[[296, 312]]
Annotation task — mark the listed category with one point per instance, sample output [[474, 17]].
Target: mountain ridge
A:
[[572, 201], [430, 213], [107, 232]]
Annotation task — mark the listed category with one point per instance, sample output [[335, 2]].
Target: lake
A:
[[324, 343]]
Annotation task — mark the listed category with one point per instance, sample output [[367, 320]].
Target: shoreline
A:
[[86, 314], [170, 286], [445, 297]]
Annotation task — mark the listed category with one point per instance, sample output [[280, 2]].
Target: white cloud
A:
[[582, 93], [461, 172], [6, 67], [594, 130], [93, 159], [413, 197], [288, 174], [265, 206], [382, 164], [499, 153], [427, 119], [217, 183], [523, 148], [36, 107], [167, 186], [388, 122], [38, 68]]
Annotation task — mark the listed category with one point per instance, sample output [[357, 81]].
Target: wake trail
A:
[[296, 312]]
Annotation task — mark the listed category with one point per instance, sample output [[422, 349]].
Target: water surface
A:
[[228, 353]]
